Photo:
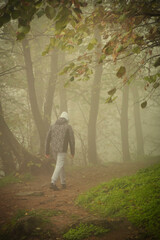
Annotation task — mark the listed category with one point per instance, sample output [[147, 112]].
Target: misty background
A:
[[114, 130]]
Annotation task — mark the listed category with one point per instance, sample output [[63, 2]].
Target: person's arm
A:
[[71, 141], [47, 146]]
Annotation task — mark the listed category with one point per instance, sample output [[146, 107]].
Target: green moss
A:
[[83, 231], [136, 198]]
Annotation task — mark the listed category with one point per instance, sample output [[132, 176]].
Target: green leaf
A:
[[157, 63], [121, 72], [61, 24], [71, 79], [120, 48], [144, 104], [136, 50], [5, 19], [108, 50], [79, 41], [53, 42], [50, 12], [77, 11], [90, 46], [122, 17], [15, 14], [40, 13], [139, 40], [109, 100], [92, 43], [102, 57], [151, 79], [156, 84], [65, 70], [20, 35], [24, 29], [112, 91]]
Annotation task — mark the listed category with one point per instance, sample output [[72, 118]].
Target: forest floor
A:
[[36, 194]]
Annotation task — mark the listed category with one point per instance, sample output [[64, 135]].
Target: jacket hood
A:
[[64, 115]]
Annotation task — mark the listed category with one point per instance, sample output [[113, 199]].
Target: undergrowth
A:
[[15, 178], [26, 224], [136, 197], [84, 230], [44, 214]]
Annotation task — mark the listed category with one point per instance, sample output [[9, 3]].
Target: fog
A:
[[77, 96]]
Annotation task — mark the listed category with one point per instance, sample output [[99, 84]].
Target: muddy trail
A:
[[36, 195]]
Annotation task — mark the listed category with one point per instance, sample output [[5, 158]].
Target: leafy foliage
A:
[[61, 12], [135, 197], [83, 231]]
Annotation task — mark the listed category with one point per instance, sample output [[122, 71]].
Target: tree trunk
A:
[[32, 94], [95, 92], [51, 89], [62, 90], [13, 155], [124, 124], [138, 125]]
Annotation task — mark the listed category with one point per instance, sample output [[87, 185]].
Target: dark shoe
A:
[[54, 187], [64, 186]]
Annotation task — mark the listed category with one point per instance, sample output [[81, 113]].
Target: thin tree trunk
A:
[[51, 89], [32, 94], [62, 90], [95, 92], [138, 124], [124, 124]]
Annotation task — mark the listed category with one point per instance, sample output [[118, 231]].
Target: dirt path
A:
[[13, 197]]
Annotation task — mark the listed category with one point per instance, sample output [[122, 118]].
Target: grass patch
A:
[[26, 224], [15, 178], [137, 198], [45, 214], [84, 230]]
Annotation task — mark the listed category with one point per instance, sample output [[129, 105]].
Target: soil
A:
[[37, 195]]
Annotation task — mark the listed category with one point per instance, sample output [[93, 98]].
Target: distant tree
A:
[[32, 92], [94, 105], [138, 123], [48, 105], [124, 124], [42, 123], [62, 89]]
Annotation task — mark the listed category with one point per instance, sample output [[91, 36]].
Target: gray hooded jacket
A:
[[58, 137]]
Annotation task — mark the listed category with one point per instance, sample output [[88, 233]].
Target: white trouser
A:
[[59, 169]]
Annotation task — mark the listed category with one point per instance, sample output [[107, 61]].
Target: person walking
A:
[[59, 136]]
